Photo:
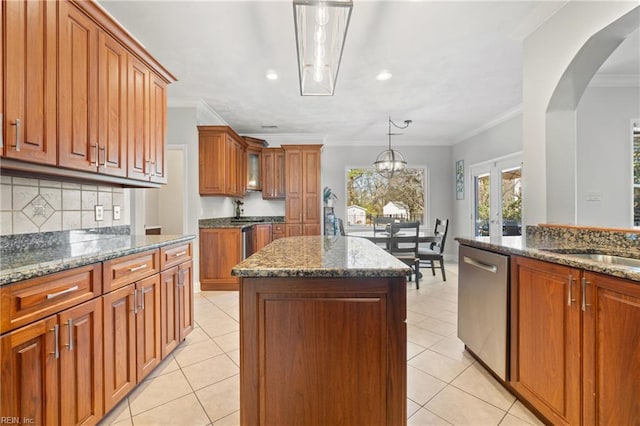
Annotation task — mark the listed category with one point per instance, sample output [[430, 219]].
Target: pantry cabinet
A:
[[302, 177], [575, 343], [222, 161], [273, 171], [30, 78]]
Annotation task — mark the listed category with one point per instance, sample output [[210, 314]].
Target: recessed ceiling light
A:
[[269, 126], [271, 75], [384, 75]]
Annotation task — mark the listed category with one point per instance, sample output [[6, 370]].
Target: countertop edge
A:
[[39, 270], [626, 272]]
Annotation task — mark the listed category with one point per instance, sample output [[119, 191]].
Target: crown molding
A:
[[514, 112], [204, 113]]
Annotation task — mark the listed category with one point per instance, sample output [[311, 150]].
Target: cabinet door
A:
[[611, 366], [220, 251], [112, 106], [157, 128], [148, 325], [185, 300], [294, 186], [138, 120], [311, 191], [30, 41], [81, 364], [119, 344], [262, 235], [211, 159], [231, 160], [169, 310], [77, 121], [545, 341], [279, 174], [273, 173], [29, 385]]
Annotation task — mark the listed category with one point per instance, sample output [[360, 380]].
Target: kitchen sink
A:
[[606, 258]]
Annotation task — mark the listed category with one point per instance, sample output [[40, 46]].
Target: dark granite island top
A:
[[323, 333], [321, 257]]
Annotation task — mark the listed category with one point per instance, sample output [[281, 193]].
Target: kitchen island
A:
[[322, 333]]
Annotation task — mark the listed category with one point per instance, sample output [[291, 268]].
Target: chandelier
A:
[[389, 161], [321, 30]]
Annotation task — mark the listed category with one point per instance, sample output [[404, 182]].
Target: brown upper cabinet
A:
[[222, 161], [255, 173], [71, 97], [273, 186]]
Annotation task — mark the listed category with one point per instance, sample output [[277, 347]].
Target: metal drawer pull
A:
[[570, 298], [484, 266], [584, 294], [137, 268], [182, 253], [60, 293], [17, 124], [70, 325], [56, 350]]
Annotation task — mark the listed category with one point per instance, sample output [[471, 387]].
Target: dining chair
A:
[[435, 252], [403, 243], [381, 223]]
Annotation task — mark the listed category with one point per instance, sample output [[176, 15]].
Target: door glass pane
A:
[[482, 206], [512, 201]]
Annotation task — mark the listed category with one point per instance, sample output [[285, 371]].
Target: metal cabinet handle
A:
[[142, 299], [182, 253], [70, 326], [60, 293], [478, 264], [56, 350], [584, 294], [1, 131], [135, 302], [17, 124], [570, 298], [137, 268], [104, 163], [96, 155]]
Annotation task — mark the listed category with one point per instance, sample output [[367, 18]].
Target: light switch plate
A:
[[99, 213], [116, 212]]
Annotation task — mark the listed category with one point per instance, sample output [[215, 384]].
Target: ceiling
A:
[[456, 65]]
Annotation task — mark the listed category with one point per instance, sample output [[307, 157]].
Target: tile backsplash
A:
[[37, 205]]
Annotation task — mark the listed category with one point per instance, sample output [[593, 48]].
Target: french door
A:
[[497, 197]]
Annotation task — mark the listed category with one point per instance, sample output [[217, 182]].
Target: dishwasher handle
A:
[[482, 265]]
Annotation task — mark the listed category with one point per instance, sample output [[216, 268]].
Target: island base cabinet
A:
[[611, 350], [323, 351]]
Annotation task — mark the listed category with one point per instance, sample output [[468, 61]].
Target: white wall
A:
[[604, 155], [436, 159], [543, 67], [503, 139]]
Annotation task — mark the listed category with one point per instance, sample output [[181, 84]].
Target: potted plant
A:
[[328, 196]]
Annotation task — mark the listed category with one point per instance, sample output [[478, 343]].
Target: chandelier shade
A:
[[390, 161], [321, 31]]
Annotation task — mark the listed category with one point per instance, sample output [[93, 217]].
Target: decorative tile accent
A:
[[32, 205]]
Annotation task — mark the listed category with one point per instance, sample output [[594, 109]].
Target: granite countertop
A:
[[558, 250], [245, 221], [317, 256], [22, 265]]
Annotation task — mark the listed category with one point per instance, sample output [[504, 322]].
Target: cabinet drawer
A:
[[174, 255], [128, 269], [278, 231], [31, 300]]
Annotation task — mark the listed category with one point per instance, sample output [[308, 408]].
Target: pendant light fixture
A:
[[389, 161], [321, 30]]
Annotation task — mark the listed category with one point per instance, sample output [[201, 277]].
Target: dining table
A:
[[383, 236]]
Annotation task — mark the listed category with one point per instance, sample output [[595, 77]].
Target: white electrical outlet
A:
[[99, 213], [116, 212]]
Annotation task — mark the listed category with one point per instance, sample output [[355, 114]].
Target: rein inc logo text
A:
[[16, 420]]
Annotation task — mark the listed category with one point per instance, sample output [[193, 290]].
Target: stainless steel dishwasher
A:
[[483, 280]]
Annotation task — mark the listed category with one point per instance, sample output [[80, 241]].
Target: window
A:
[[370, 195], [636, 174]]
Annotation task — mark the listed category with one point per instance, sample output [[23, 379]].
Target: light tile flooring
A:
[[198, 384]]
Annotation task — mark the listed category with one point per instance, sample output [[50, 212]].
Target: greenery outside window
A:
[[370, 195]]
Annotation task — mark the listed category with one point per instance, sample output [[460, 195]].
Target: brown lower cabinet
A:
[[575, 343], [69, 352], [220, 250]]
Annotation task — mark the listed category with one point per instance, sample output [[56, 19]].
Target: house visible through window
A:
[[636, 174], [370, 195]]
